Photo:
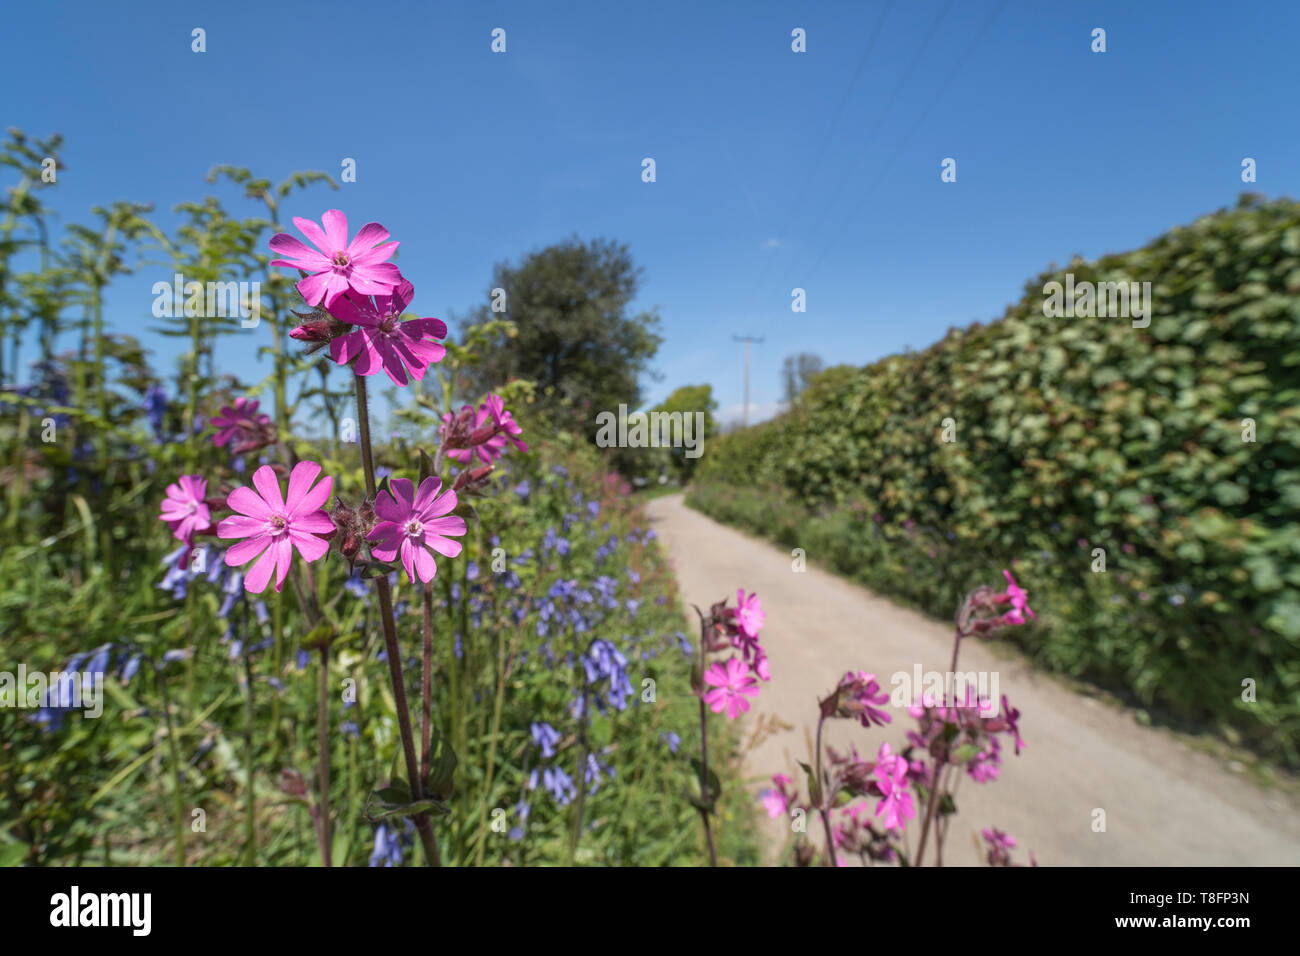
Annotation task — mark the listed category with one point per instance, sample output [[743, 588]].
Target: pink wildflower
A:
[[274, 527], [860, 696], [505, 422], [414, 524], [184, 510], [749, 614], [897, 803], [336, 265], [242, 419], [470, 435], [383, 340], [776, 801], [731, 684], [1019, 599]]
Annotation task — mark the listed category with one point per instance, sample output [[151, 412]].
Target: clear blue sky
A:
[[775, 169]]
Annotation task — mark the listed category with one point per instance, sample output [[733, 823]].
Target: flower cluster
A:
[[866, 804], [243, 427], [480, 434], [358, 299], [734, 681]]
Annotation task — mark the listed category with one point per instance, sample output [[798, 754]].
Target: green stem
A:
[[323, 759], [178, 803], [704, 753], [423, 825]]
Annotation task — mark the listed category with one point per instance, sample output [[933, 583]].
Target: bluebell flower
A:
[[672, 740], [546, 737], [155, 406], [390, 844], [560, 785]]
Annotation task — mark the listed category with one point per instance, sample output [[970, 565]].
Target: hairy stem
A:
[[423, 825]]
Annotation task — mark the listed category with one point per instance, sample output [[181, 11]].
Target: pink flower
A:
[[998, 838], [383, 340], [480, 434], [749, 614], [860, 696], [897, 803], [986, 765], [887, 761], [505, 422], [412, 523], [184, 510], [774, 802], [1019, 599], [274, 527], [240, 418], [339, 265], [761, 666], [731, 684]]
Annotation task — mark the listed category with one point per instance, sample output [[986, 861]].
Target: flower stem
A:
[[323, 762], [426, 684], [822, 807], [704, 753], [178, 803], [940, 762], [423, 825]]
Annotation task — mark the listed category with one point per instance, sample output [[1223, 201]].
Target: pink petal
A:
[[300, 479], [404, 491], [428, 492], [336, 230], [387, 508], [371, 234], [246, 551], [283, 557], [286, 245], [240, 526], [408, 557], [259, 575], [451, 524], [316, 522], [316, 236], [246, 501], [309, 546], [444, 546], [269, 486], [424, 564], [302, 499]]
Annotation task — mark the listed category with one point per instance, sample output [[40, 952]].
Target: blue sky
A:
[[775, 169]]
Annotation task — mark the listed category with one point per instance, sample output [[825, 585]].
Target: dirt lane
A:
[[1165, 804]]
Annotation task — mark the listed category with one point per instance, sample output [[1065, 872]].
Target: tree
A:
[[574, 337], [797, 372], [691, 401]]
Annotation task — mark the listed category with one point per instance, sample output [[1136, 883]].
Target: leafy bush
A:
[[1174, 448]]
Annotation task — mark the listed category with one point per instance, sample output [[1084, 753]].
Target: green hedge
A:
[[1074, 434]]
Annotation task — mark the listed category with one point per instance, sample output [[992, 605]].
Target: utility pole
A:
[[748, 340]]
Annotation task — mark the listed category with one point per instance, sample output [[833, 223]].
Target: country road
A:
[[1165, 804]]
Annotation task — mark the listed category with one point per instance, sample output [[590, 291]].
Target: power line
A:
[[904, 141], [826, 141], [892, 98]]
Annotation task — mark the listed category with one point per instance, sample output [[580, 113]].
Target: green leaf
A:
[[395, 801], [705, 801], [322, 635], [442, 769]]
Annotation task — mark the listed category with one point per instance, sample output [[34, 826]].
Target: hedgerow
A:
[[1173, 448]]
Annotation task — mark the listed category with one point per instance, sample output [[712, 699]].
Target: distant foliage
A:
[[1073, 434]]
